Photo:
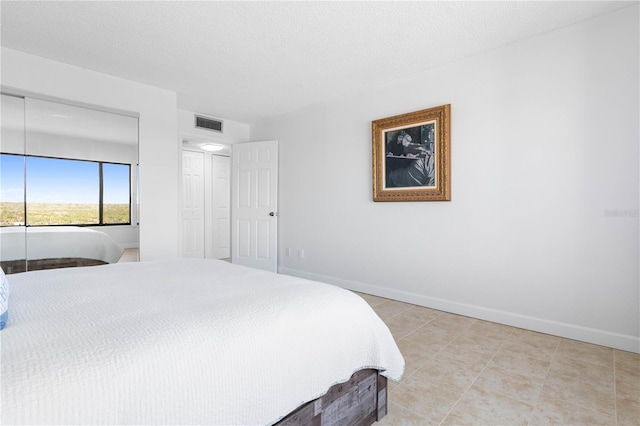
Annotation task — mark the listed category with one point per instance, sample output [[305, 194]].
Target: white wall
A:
[[542, 229], [158, 149]]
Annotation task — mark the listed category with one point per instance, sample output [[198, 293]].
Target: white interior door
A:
[[221, 207], [254, 204], [192, 204]]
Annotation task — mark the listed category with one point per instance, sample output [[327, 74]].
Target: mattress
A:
[[185, 341], [53, 242]]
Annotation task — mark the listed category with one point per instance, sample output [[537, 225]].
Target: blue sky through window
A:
[[115, 179], [11, 178], [53, 180]]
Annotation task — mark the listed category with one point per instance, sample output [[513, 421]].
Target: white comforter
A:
[[180, 342], [52, 242]]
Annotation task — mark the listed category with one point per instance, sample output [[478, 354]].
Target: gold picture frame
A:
[[412, 156]]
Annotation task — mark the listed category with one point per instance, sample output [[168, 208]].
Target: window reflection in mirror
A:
[[77, 192]]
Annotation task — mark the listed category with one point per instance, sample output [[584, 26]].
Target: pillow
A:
[[4, 299]]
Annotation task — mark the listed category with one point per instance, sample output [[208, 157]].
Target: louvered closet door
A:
[[254, 204]]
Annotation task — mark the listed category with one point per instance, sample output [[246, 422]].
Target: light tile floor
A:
[[130, 255], [463, 371]]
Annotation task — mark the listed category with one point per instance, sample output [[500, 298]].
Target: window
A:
[[115, 193], [62, 192], [66, 192]]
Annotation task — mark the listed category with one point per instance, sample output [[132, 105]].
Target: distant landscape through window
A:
[[62, 191]]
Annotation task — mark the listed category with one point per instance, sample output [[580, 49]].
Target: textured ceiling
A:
[[247, 61]]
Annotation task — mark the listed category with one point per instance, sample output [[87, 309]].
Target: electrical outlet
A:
[[300, 253]]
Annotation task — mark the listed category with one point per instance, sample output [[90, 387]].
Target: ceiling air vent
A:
[[208, 123]]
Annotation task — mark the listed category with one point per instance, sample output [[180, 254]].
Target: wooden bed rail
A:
[[360, 401], [16, 266]]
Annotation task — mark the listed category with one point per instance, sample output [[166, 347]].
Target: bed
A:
[[189, 341], [55, 247]]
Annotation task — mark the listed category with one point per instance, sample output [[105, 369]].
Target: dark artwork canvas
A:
[[410, 156]]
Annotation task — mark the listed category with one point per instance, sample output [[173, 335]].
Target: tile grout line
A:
[[533, 406], [430, 358], [554, 358], [584, 406], [544, 382], [474, 380], [615, 391], [445, 346]]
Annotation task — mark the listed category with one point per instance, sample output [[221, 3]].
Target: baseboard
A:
[[570, 331]]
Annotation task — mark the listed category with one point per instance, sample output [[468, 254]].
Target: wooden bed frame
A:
[[15, 266], [361, 401]]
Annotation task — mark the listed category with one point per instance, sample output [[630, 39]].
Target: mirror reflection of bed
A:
[[51, 247], [69, 184]]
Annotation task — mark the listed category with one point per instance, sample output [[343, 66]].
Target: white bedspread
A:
[[180, 342], [53, 242]]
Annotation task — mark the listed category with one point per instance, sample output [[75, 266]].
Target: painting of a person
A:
[[410, 157]]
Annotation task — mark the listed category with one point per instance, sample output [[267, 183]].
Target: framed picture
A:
[[412, 156]]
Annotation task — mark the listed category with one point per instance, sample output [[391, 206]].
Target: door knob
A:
[[273, 214]]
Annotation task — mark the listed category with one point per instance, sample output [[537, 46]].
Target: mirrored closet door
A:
[[13, 247], [69, 185]]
